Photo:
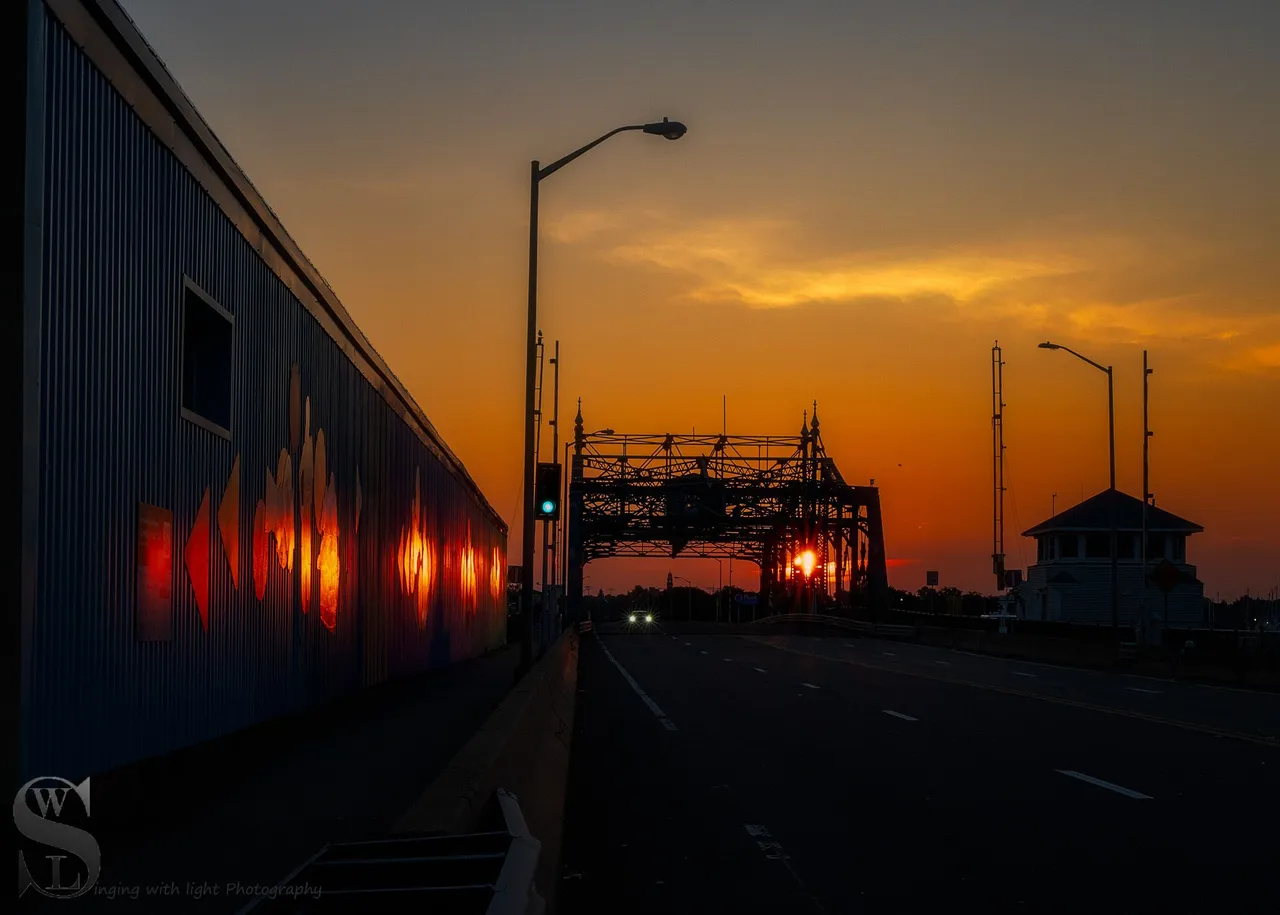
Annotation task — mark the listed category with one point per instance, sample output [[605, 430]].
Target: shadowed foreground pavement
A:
[[351, 778], [808, 775]]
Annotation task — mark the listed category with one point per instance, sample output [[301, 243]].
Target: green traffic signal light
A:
[[548, 507]]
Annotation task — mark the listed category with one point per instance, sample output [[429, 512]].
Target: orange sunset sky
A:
[[870, 194]]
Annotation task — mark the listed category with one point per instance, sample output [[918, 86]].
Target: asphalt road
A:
[[824, 775]]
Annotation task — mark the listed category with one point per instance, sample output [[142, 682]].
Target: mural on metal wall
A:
[[495, 574], [275, 536], [229, 521], [468, 573], [417, 555], [302, 522], [196, 556]]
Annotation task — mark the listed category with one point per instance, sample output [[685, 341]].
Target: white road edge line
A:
[[811, 686], [728, 659], [760, 670], [889, 653], [1118, 789], [1139, 689], [653, 706], [1018, 673], [899, 715], [701, 652]]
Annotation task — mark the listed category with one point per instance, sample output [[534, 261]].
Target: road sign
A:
[[747, 599], [931, 579], [1166, 576]]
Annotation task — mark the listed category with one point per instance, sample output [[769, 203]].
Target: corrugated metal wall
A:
[[125, 225]]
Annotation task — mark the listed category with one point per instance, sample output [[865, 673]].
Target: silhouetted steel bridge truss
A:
[[777, 501]]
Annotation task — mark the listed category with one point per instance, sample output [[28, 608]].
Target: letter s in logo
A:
[[40, 828]]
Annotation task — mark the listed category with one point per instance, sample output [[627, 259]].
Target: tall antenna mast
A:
[[997, 465]]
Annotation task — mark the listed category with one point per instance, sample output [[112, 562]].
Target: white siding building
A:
[[1071, 578]]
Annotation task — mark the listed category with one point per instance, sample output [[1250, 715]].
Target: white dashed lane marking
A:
[[653, 706], [1118, 789]]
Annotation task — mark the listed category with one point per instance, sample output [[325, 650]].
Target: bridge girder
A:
[[766, 499]]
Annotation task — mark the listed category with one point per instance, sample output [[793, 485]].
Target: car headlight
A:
[[648, 617], [631, 618]]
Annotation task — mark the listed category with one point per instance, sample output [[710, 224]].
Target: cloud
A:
[[754, 262], [1105, 287], [580, 226]]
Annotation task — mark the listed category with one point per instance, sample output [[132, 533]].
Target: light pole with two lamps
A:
[[671, 130], [1111, 495]]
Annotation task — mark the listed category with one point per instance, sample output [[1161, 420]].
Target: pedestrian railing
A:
[[484, 873]]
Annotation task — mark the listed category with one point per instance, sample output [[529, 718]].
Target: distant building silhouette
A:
[[1071, 578]]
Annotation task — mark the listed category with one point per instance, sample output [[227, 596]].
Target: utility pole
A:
[[997, 465], [549, 527], [536, 614], [1146, 484]]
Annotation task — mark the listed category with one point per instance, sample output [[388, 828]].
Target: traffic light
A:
[[546, 492]]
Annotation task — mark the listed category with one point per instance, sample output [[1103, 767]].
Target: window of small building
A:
[[1127, 546], [1068, 546], [1179, 549], [207, 332], [1097, 546], [1155, 546], [1044, 549]]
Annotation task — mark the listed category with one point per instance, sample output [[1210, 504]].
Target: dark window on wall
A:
[[1127, 546], [1179, 549], [1068, 546], [1043, 551], [1155, 546], [207, 330], [1098, 546]]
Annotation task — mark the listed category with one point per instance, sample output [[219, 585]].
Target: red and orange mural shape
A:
[[294, 528], [197, 558], [327, 556], [495, 574], [467, 573], [306, 483], [261, 549], [314, 520], [416, 556], [229, 521]]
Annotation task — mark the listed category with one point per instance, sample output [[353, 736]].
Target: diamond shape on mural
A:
[[197, 559], [229, 521]]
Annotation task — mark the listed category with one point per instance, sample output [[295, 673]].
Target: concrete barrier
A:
[[522, 748]]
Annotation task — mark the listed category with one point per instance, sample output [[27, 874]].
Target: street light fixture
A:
[[1111, 495], [670, 130]]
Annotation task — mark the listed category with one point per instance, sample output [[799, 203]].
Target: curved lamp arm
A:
[[671, 130], [1100, 368]]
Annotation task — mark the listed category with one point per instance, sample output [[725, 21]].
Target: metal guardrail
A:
[[866, 628], [485, 873]]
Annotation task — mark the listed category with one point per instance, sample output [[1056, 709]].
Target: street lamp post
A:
[[720, 593], [689, 615], [671, 130], [1111, 424]]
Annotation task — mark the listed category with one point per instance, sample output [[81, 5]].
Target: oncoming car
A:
[[639, 620]]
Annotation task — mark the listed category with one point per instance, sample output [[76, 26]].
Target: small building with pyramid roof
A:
[[1071, 578]]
